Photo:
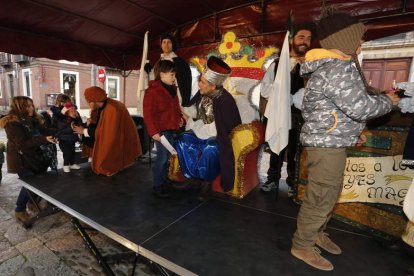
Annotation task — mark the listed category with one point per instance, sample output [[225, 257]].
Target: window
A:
[[69, 85], [112, 87], [27, 82]]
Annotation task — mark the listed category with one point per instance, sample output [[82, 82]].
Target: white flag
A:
[[278, 106], [143, 77]]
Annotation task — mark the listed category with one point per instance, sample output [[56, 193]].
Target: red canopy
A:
[[110, 33]]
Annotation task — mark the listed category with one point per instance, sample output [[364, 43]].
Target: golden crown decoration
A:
[[245, 61]]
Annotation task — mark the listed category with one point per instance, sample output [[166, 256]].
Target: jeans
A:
[[23, 197], [159, 170]]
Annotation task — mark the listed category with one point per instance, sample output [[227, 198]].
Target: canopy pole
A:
[[403, 6], [124, 88], [263, 15]]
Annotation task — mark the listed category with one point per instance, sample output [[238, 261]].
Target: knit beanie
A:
[[67, 107], [171, 38], [340, 31], [95, 94]]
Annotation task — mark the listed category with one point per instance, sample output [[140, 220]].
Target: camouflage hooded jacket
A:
[[336, 104]]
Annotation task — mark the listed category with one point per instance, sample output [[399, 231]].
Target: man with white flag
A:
[[284, 120]]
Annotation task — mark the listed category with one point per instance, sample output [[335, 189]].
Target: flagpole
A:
[[142, 80]]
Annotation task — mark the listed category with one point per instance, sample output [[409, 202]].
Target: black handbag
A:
[[40, 159]]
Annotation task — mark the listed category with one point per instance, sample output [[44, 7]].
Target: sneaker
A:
[[268, 186], [22, 216], [313, 258], [290, 192], [74, 167], [324, 242], [66, 169]]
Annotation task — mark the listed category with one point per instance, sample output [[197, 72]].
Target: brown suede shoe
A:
[[324, 242], [313, 258], [23, 216], [31, 207]]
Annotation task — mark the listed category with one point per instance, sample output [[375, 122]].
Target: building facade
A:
[[389, 60], [42, 79]]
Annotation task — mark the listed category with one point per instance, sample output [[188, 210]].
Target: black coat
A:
[[25, 136], [65, 132], [184, 80]]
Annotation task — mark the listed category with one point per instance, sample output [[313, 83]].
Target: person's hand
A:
[[362, 139], [184, 115], [156, 137], [393, 97], [182, 121], [77, 129], [52, 139]]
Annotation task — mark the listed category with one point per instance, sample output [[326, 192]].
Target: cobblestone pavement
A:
[[52, 246]]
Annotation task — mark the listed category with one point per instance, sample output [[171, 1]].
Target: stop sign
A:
[[101, 75]]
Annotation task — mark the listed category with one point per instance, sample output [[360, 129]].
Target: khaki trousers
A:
[[325, 175]]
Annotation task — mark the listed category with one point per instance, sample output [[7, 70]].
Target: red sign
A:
[[101, 75]]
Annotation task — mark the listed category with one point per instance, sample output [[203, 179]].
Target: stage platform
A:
[[221, 236]]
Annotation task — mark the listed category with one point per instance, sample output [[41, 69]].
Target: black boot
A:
[[180, 186], [205, 191], [160, 192]]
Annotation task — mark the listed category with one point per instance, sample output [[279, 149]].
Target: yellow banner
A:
[[376, 180]]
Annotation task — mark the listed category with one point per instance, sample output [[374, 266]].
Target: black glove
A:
[[147, 67], [400, 93]]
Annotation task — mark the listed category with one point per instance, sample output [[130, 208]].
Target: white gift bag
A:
[[409, 203]]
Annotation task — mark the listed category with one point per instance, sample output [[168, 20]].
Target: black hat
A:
[[171, 38]]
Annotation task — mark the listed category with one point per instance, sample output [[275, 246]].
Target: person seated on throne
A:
[[206, 150]]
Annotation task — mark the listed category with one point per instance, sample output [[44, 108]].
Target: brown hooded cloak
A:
[[117, 144]]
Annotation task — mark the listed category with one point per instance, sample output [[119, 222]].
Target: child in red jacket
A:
[[162, 117]]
